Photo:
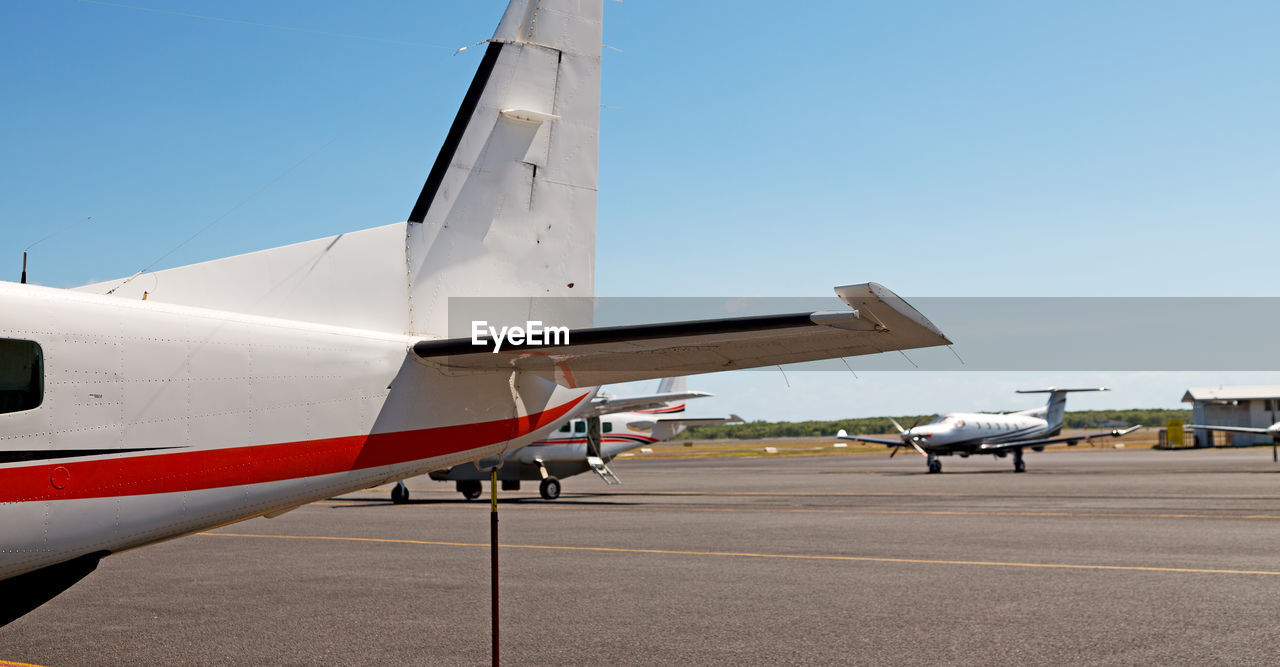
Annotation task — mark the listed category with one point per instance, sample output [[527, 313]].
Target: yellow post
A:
[[1176, 435]]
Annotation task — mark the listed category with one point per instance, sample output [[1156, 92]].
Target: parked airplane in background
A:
[[966, 433], [669, 390], [147, 408], [590, 442]]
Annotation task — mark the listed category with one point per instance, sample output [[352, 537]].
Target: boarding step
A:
[[597, 464]]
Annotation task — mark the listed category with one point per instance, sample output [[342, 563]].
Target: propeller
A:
[[907, 439]]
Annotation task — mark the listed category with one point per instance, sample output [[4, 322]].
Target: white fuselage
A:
[[963, 430], [619, 432], [200, 418]]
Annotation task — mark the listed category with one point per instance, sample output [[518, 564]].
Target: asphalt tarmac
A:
[[1092, 556]]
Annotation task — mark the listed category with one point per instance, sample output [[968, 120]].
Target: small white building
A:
[[1255, 406]]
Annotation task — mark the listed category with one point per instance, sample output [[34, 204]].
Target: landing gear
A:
[[400, 494], [470, 488], [935, 466], [1018, 465], [549, 488]]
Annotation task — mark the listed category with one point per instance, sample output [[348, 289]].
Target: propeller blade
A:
[[919, 448], [895, 451], [897, 425]]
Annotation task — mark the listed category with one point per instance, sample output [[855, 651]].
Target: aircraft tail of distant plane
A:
[[670, 390], [672, 385], [1055, 409]]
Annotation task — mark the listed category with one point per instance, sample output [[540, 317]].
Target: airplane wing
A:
[[842, 435], [879, 322], [1234, 429], [1070, 439], [610, 405]]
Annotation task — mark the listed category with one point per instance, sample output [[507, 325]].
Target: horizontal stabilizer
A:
[[879, 322], [699, 421], [610, 405]]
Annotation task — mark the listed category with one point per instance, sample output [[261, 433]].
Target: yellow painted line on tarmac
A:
[[887, 494], [774, 510], [739, 554], [945, 494], [11, 663], [1090, 515]]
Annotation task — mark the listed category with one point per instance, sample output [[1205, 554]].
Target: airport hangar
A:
[[1256, 406]]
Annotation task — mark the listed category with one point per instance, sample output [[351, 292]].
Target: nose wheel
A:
[[1018, 464], [400, 494], [935, 466], [549, 488]]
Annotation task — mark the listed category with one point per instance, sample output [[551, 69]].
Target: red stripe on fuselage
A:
[[236, 466]]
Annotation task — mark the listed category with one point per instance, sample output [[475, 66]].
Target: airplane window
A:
[[579, 426], [607, 427], [959, 423], [21, 375], [565, 428]]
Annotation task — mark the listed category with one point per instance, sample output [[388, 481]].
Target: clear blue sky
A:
[[940, 148]]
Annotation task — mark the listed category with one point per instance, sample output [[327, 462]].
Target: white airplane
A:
[[589, 442], [966, 433], [138, 410]]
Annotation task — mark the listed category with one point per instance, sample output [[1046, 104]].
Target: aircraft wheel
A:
[[400, 494], [470, 488], [550, 488], [935, 466], [1019, 466]]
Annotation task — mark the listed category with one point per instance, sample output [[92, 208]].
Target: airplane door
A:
[[593, 436]]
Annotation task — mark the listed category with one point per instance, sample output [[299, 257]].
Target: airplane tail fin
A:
[[671, 385], [508, 208], [668, 385], [1055, 408]]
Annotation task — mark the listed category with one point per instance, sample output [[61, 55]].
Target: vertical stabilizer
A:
[[1055, 409], [509, 207], [670, 386]]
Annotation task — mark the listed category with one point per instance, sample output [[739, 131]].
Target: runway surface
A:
[[1092, 556]]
